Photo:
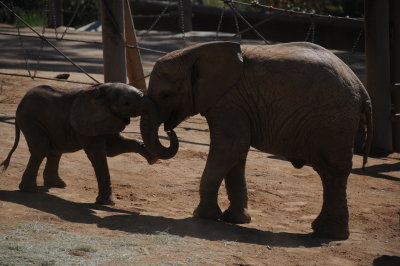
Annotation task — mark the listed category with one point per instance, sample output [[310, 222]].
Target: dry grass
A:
[[41, 244]]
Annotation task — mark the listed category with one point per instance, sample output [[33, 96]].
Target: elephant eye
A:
[[127, 103]]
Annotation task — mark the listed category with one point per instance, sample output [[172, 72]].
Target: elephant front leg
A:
[[209, 185], [230, 142], [50, 173], [223, 163], [99, 161], [236, 188], [117, 144]]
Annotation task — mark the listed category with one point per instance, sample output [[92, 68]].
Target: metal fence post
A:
[[112, 21], [395, 69], [55, 18], [377, 50], [185, 22]]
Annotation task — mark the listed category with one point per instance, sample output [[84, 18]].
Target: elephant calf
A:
[[54, 122], [296, 100]]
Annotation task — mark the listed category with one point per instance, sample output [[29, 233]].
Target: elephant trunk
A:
[[149, 124]]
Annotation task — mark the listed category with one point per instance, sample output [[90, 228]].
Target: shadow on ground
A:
[[386, 260], [7, 119], [379, 171], [132, 222]]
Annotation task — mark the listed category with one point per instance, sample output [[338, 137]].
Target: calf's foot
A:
[[28, 186], [55, 182], [105, 200]]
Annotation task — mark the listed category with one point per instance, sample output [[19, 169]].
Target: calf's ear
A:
[[91, 116]]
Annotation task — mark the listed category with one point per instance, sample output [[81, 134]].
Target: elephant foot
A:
[[211, 212], [55, 182], [105, 200], [236, 216], [331, 228], [28, 187]]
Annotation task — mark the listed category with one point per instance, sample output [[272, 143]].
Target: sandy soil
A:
[[283, 202]]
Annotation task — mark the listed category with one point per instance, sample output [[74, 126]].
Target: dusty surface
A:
[[152, 220]]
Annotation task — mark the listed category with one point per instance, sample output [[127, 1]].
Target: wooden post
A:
[[134, 66], [378, 71], [112, 21], [395, 69], [185, 10]]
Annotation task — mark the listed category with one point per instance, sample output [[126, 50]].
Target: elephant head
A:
[[189, 81], [107, 109]]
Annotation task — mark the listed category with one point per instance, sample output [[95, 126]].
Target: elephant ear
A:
[[91, 116], [217, 68]]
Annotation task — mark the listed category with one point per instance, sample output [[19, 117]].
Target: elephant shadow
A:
[[133, 222], [380, 171]]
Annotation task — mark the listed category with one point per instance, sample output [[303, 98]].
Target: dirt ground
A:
[[152, 224]]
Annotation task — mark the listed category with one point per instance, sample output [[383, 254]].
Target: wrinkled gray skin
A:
[[54, 122], [296, 100]]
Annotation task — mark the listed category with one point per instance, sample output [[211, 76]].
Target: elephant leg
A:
[[333, 220], [96, 152], [230, 142], [28, 181], [211, 180], [236, 188], [117, 144], [39, 147], [50, 173]]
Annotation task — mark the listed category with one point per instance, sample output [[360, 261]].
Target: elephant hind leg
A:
[[39, 147], [28, 181], [333, 220], [50, 174]]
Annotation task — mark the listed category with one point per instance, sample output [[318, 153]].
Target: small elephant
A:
[[296, 100], [56, 121]]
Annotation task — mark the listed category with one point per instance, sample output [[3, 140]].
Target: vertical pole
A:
[[185, 16], [395, 69], [134, 66], [112, 21], [55, 14], [378, 71]]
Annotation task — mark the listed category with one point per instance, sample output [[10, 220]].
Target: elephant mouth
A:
[[169, 125], [174, 120], [126, 120]]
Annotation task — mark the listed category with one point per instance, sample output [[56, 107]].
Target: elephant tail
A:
[[367, 113], [6, 162]]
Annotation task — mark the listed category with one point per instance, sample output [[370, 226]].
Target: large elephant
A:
[[296, 100], [56, 121]]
